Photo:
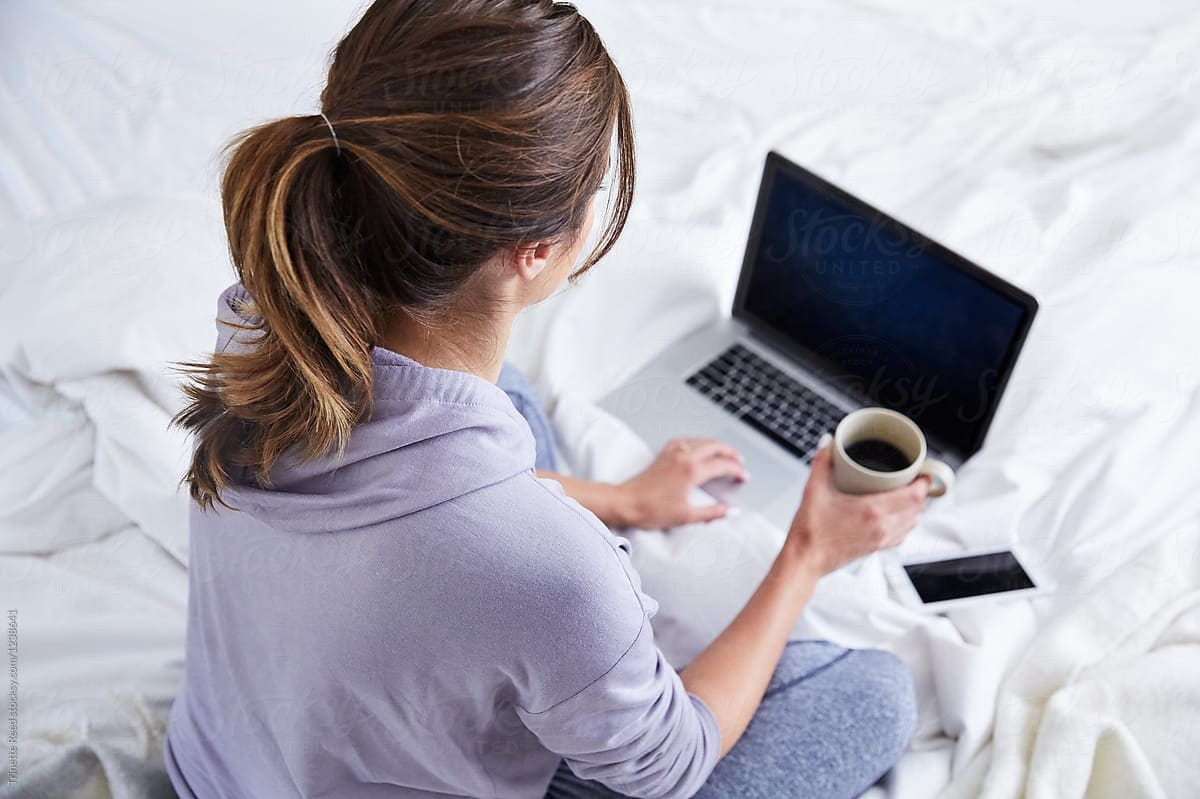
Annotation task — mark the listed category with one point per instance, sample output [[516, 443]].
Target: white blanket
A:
[[1054, 143], [1105, 704]]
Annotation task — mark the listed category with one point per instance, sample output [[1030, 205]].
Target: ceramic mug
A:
[[893, 428]]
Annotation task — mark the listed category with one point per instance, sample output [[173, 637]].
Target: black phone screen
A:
[[974, 575]]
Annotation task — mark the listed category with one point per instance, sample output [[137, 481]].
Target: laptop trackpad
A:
[[776, 481]]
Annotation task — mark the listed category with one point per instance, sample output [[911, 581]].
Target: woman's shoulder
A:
[[545, 553], [535, 522]]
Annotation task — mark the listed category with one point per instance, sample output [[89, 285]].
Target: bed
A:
[[1054, 143]]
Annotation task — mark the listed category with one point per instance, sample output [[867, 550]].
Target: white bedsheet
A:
[[1106, 700], [1053, 142]]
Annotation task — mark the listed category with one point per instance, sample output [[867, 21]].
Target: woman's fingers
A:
[[821, 466], [900, 525], [701, 448], [705, 513], [715, 466], [709, 458], [905, 498]]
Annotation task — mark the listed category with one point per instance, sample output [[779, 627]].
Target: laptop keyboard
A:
[[767, 399]]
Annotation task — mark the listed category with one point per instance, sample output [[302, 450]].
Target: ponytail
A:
[[307, 379]]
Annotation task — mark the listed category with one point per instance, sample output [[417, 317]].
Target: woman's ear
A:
[[532, 259]]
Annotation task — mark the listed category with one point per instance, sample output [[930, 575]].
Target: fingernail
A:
[[824, 441], [733, 510], [745, 474]]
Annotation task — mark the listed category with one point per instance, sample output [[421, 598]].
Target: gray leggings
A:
[[833, 721]]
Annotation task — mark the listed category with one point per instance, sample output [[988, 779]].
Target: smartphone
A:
[[980, 576]]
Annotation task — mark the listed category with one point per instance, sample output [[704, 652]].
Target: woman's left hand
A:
[[658, 497]]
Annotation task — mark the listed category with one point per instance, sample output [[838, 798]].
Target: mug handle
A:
[[941, 476]]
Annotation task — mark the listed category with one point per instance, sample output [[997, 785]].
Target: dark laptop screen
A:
[[887, 315]]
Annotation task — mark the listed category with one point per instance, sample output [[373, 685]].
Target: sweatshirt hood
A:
[[434, 435]]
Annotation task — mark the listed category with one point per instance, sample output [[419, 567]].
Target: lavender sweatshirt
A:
[[424, 617]]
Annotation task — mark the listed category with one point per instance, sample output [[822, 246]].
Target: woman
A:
[[387, 600]]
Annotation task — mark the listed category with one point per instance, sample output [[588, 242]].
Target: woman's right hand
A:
[[832, 528]]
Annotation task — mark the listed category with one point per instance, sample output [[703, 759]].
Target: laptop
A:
[[838, 306]]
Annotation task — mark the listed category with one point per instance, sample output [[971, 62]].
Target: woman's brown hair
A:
[[463, 127]]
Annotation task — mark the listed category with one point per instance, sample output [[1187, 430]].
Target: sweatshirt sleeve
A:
[[603, 696], [635, 728]]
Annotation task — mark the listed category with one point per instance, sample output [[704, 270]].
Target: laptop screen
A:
[[888, 316]]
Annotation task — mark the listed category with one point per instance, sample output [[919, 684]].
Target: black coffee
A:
[[878, 455]]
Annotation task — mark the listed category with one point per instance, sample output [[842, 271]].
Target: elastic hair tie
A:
[[332, 132]]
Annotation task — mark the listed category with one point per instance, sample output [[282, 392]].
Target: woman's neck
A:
[[475, 346]]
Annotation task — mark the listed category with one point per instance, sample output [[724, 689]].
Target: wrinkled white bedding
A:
[[1053, 142]]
